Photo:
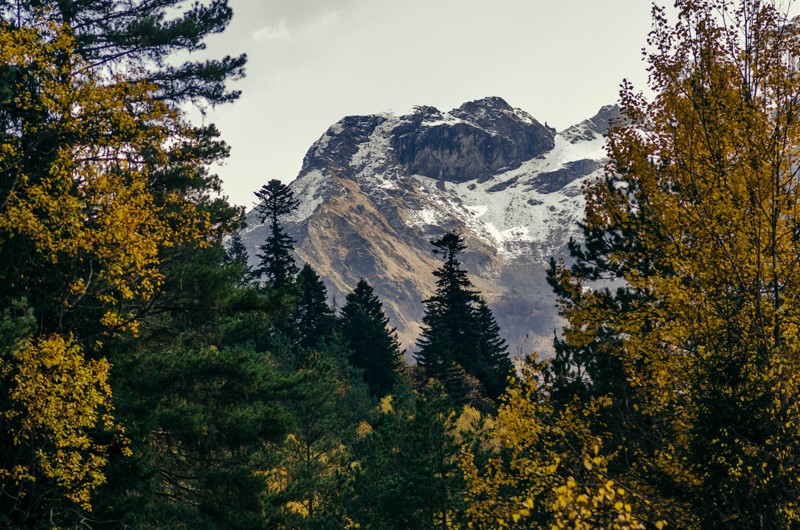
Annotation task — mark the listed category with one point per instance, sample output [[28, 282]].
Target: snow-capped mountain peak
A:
[[375, 189]]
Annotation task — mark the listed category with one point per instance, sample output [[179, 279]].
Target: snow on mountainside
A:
[[375, 190]]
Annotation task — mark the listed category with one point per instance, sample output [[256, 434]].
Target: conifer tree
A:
[[275, 254], [408, 474], [375, 348], [495, 364], [309, 472], [449, 334], [236, 256], [458, 330], [199, 402], [313, 319], [109, 33]]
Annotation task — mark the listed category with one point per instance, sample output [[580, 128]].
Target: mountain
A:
[[376, 189]]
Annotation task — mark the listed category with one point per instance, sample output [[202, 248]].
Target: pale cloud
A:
[[283, 32], [280, 32]]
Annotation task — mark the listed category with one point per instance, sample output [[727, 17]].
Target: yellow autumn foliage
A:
[[521, 474], [80, 156], [597, 503], [91, 206], [546, 469], [57, 398], [697, 223]]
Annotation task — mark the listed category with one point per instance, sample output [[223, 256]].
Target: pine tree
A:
[[199, 418], [313, 319], [275, 254], [458, 330], [199, 400], [110, 33], [375, 348]]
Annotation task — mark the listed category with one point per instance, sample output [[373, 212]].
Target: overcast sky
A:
[[312, 62]]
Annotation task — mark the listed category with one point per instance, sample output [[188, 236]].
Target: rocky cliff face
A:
[[478, 140], [376, 189]]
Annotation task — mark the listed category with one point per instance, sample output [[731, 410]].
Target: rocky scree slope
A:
[[374, 191]]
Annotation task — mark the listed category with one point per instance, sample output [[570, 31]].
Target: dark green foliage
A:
[[17, 323], [187, 174], [408, 475], [458, 329], [198, 419], [586, 371], [580, 373], [594, 369], [313, 319], [275, 254], [199, 403], [495, 365], [111, 33], [374, 347], [236, 256], [312, 463]]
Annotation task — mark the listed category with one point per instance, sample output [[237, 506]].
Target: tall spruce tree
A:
[[375, 348], [275, 254], [314, 320], [495, 364], [458, 330]]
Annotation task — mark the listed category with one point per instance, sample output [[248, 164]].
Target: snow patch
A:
[[426, 216], [309, 189], [384, 183], [373, 156], [516, 233], [447, 119], [524, 116], [478, 211], [594, 149]]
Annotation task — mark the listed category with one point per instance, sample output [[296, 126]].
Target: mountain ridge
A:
[[376, 189]]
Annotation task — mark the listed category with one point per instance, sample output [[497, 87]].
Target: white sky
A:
[[312, 62]]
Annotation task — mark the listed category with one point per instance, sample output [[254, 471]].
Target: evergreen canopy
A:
[[375, 348], [458, 329], [275, 254], [110, 33]]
